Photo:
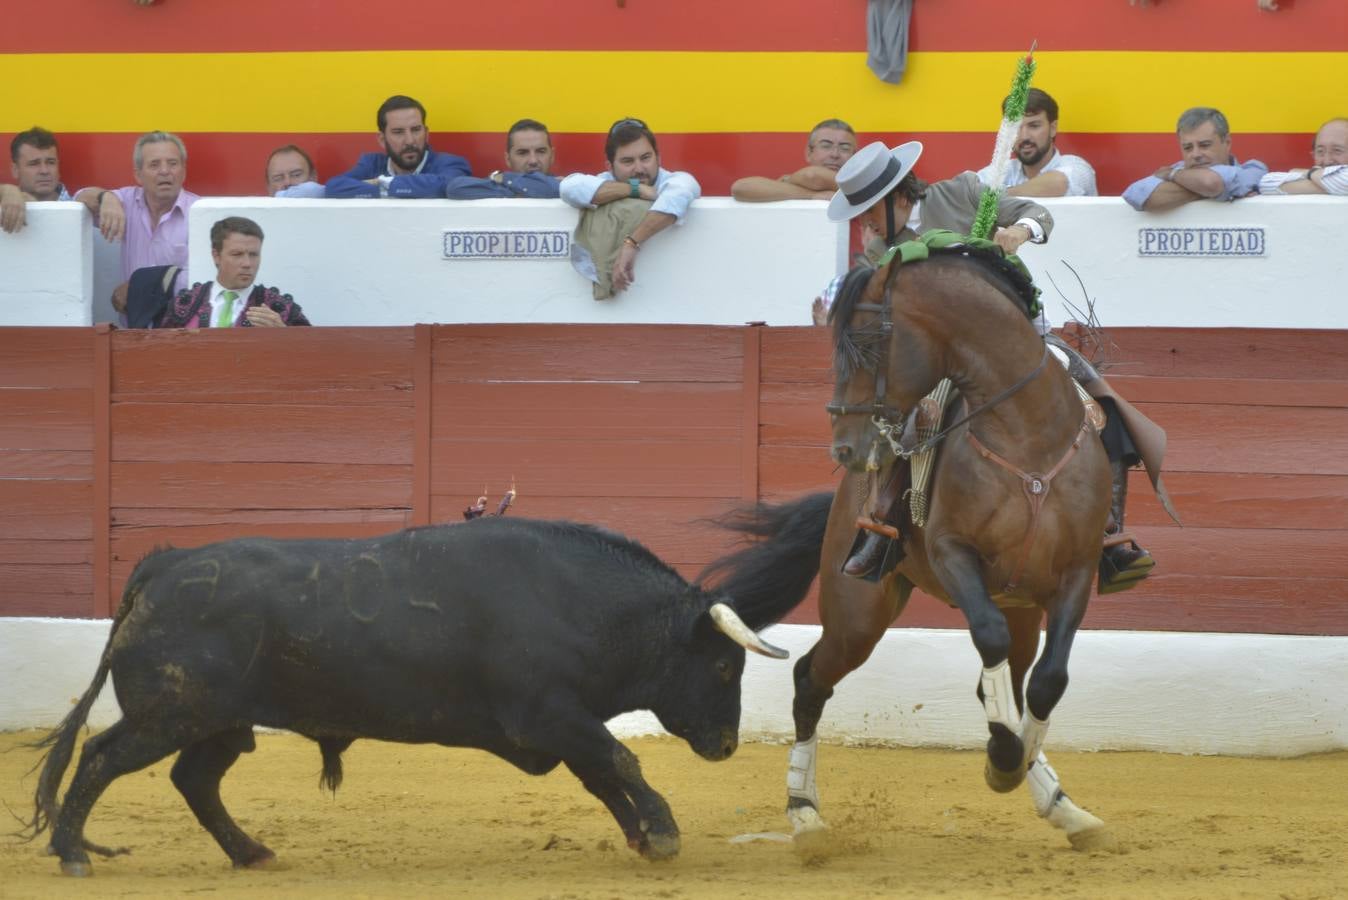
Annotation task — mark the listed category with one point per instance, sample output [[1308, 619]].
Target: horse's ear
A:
[[875, 288]]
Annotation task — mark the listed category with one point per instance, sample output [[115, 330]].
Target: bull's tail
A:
[[770, 577], [60, 743]]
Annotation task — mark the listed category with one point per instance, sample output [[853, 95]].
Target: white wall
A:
[[380, 262], [1297, 281], [1157, 691], [46, 270]]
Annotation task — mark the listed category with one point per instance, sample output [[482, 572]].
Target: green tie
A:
[[227, 315]]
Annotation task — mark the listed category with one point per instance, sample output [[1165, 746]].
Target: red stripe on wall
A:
[[232, 164], [748, 25]]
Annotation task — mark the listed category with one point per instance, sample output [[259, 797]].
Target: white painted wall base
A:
[[1236, 694]]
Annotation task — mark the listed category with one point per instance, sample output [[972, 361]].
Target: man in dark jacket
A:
[[233, 300], [408, 168]]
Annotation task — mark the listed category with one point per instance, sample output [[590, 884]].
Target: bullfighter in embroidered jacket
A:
[[233, 299]]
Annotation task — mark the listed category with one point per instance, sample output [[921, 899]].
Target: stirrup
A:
[[1114, 578], [875, 551]]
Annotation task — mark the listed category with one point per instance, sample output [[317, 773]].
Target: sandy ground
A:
[[427, 821]]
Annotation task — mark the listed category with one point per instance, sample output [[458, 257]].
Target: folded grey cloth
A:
[[887, 38]]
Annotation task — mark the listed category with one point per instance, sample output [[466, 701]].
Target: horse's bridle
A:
[[888, 420]]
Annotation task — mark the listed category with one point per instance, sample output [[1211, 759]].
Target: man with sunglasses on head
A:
[[830, 144], [634, 173]]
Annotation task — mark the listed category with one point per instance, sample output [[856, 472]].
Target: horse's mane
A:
[[854, 349], [859, 348]]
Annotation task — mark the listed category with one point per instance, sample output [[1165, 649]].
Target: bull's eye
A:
[[724, 670]]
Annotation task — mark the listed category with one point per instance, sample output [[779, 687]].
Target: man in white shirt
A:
[[1328, 173], [634, 172], [1038, 169]]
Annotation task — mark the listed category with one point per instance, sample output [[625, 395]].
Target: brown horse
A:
[[1019, 501]]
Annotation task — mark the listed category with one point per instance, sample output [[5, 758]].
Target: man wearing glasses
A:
[[634, 173], [830, 144]]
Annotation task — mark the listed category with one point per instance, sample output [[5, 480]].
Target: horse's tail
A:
[[770, 577], [60, 743]]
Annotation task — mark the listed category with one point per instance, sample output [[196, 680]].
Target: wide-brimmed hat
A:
[[870, 174]]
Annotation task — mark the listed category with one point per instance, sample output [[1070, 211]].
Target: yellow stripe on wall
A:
[[1098, 91]]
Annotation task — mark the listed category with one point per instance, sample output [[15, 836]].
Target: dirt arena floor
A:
[[430, 822]]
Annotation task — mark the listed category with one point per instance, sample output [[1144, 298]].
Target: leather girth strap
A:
[[1036, 489]]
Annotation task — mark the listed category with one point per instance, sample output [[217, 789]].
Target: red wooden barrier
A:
[[112, 443]]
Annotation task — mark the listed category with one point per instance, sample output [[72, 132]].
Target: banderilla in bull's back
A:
[[515, 636]]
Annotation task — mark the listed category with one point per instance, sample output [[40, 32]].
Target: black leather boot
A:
[[1124, 563], [865, 559]]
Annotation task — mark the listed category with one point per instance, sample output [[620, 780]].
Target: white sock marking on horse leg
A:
[[800, 786], [1051, 803], [800, 773], [999, 701], [1032, 732]]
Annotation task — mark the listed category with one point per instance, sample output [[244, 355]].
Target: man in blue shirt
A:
[[1207, 172], [408, 167], [528, 173]]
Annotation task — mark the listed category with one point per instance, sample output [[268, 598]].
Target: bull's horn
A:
[[732, 626]]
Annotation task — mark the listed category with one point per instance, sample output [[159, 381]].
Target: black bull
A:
[[513, 636]]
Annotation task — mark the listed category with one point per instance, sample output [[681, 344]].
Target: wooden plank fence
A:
[[114, 442]]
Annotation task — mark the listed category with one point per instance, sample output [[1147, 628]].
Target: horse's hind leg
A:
[[957, 567], [1048, 683], [197, 773], [112, 753]]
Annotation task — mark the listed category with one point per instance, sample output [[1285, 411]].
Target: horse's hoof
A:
[[805, 820], [659, 847], [76, 869], [264, 860], [1002, 782], [1095, 840]]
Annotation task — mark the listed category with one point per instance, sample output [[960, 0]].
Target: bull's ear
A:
[[728, 622]]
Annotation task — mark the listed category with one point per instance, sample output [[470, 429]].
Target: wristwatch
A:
[[635, 186]]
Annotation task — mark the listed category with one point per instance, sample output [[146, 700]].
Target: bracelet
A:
[[635, 187], [636, 244], [101, 195]]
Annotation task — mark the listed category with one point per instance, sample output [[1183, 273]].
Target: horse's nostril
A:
[[842, 453]]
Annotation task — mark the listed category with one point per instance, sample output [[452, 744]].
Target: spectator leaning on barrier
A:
[[830, 144], [634, 173], [291, 173], [1038, 169], [408, 168], [232, 299], [149, 217], [528, 173], [1208, 170], [1328, 173], [36, 166]]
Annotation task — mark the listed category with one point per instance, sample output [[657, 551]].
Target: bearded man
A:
[[1038, 169]]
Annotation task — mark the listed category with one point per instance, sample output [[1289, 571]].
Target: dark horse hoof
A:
[[1005, 768], [76, 869], [658, 847]]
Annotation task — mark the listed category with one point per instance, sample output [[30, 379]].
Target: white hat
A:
[[869, 175]]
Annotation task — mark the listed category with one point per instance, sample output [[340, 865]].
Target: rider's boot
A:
[[867, 557], [1123, 563]]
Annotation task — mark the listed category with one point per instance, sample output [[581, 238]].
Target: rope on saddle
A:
[[924, 462]]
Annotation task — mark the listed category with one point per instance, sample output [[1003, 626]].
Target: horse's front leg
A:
[[956, 565], [855, 615], [1048, 683]]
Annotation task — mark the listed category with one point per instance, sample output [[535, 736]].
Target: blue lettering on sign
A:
[[522, 243], [1223, 242]]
